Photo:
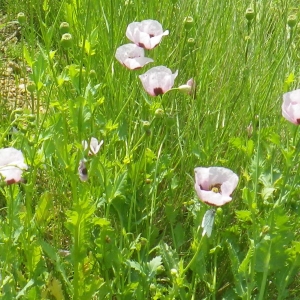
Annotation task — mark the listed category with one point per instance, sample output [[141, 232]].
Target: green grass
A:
[[132, 231]]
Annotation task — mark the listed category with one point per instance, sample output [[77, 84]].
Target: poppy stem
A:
[[194, 257]]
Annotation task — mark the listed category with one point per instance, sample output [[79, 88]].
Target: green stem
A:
[[194, 257]]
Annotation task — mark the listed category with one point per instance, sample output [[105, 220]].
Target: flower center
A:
[[216, 188], [158, 91]]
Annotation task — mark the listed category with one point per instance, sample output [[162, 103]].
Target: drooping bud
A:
[[159, 112]]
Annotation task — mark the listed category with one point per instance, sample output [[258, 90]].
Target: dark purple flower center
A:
[[298, 121], [158, 91]]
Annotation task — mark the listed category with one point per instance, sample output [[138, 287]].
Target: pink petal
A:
[[12, 165]]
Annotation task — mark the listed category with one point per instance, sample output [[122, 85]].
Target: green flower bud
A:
[[93, 74], [160, 269], [191, 42], [21, 18], [66, 40], [188, 23], [249, 14], [30, 87], [174, 272], [219, 211], [292, 21], [159, 112], [64, 27]]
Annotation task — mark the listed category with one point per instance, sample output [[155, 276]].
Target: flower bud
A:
[[188, 23], [92, 74], [219, 211], [66, 40], [64, 27], [21, 18], [160, 269], [249, 14], [292, 21], [30, 87], [159, 112], [174, 272], [191, 42]]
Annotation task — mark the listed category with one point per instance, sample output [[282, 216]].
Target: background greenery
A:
[[132, 229]]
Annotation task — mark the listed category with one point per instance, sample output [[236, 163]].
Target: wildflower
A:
[[82, 171], [189, 87], [94, 146], [11, 165], [146, 34], [291, 106], [158, 80], [132, 56], [215, 185]]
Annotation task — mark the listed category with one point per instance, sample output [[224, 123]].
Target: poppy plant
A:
[[291, 106], [94, 146], [158, 80], [132, 56], [11, 165], [215, 185], [146, 34]]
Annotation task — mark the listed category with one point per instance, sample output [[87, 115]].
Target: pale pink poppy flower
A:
[[146, 34], [291, 106], [132, 56], [158, 80], [82, 171], [215, 185], [11, 165], [189, 87], [94, 146]]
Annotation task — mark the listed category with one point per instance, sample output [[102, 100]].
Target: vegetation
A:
[[129, 227]]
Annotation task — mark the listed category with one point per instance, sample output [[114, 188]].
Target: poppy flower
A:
[[146, 34], [82, 171], [158, 80], [94, 146], [291, 106], [11, 165], [215, 185], [132, 56], [189, 87]]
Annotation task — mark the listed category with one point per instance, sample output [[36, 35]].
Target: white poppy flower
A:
[[158, 80], [94, 146], [132, 56], [11, 165], [215, 185], [146, 34], [291, 106]]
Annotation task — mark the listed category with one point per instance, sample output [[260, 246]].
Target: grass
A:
[[132, 231]]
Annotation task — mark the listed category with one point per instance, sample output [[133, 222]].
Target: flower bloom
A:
[[158, 80], [94, 146], [189, 87], [146, 34], [215, 185], [82, 171], [291, 106], [132, 56], [11, 165]]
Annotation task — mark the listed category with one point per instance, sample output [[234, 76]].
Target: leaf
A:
[[134, 265], [27, 57], [154, 264], [235, 265], [25, 288], [243, 268]]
